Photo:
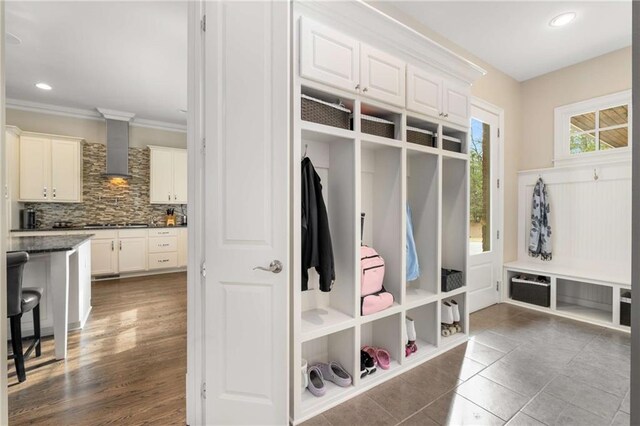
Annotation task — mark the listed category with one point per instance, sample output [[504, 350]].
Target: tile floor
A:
[[520, 367]]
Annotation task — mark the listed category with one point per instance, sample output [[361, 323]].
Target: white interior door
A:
[[246, 190], [485, 247]]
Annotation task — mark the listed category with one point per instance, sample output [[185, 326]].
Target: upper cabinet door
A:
[[66, 171], [161, 177], [35, 172], [424, 92], [457, 107], [382, 76], [180, 176], [328, 56]]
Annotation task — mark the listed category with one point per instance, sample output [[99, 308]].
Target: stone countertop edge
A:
[[46, 244], [96, 228]]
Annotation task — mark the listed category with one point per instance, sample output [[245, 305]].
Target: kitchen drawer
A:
[[163, 244], [104, 235], [163, 260], [163, 232], [133, 233]]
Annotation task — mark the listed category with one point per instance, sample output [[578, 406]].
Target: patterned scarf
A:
[[540, 237]]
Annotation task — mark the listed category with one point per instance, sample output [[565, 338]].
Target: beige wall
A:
[[600, 76], [91, 130], [502, 91]]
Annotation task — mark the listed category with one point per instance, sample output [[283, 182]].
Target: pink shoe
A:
[[380, 356]]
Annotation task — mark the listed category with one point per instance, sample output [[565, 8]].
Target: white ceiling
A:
[[126, 56], [515, 36]]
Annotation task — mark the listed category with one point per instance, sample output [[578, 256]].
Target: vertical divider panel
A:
[[356, 218], [403, 224], [439, 263]]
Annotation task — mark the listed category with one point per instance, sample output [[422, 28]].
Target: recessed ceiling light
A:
[[12, 38], [43, 86], [562, 19]]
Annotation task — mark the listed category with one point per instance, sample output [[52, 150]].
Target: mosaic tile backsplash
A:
[[105, 201]]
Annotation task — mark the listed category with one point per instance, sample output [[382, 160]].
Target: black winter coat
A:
[[317, 251]]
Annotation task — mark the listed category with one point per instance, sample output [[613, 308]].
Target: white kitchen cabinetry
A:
[[430, 94], [50, 168], [11, 176], [163, 248], [132, 250], [333, 58], [168, 175], [183, 243], [104, 256]]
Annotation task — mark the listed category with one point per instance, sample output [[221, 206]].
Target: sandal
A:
[[335, 373], [316, 381]]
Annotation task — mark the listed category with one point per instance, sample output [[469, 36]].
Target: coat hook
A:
[[595, 175], [305, 151]]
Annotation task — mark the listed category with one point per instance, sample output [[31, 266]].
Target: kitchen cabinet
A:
[[333, 58], [11, 176], [430, 94], [132, 251], [168, 175], [50, 168], [104, 257], [183, 243]]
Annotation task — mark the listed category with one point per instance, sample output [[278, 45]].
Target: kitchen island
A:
[[61, 265]]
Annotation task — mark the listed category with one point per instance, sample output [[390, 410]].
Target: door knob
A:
[[275, 267]]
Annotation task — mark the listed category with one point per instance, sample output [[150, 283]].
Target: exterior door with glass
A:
[[485, 246]]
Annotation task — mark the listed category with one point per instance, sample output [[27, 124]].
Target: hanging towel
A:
[[540, 237], [413, 268], [317, 251]]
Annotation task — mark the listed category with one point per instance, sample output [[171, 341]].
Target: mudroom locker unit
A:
[[383, 113]]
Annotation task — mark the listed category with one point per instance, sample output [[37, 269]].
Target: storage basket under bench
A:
[[536, 291]]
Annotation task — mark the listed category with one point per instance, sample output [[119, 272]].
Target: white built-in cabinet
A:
[[104, 256], [168, 175], [132, 250], [50, 168], [430, 94], [333, 58]]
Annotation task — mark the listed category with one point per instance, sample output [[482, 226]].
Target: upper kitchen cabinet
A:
[[332, 58], [329, 56], [168, 175], [430, 94], [50, 168]]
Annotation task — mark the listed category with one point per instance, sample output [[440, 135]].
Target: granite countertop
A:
[[49, 244], [94, 228]]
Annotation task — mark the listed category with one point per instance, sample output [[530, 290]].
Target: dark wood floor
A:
[[126, 367]]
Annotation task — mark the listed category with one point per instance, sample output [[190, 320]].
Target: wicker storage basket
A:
[[530, 291], [321, 112], [451, 144], [420, 136], [451, 279], [377, 126], [625, 309]]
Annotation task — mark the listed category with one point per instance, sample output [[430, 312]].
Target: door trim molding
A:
[[493, 109]]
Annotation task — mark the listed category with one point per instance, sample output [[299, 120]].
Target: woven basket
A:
[[377, 126], [451, 144], [322, 112], [529, 291], [420, 136], [451, 279]]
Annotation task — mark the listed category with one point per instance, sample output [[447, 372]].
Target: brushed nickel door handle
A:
[[275, 267]]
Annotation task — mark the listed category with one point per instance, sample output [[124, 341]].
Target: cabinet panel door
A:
[[382, 76], [132, 254], [182, 247], [35, 172], [328, 56], [161, 176], [180, 176], [66, 171], [457, 103], [104, 259], [424, 92]]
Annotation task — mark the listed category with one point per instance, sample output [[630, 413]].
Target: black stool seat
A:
[[31, 297]]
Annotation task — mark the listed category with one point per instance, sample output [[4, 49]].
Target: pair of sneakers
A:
[[332, 372], [450, 318]]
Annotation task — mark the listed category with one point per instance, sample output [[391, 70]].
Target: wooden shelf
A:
[[322, 321], [425, 350], [592, 314], [393, 309], [380, 374], [417, 297]]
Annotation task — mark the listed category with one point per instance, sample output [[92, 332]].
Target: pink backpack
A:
[[374, 296]]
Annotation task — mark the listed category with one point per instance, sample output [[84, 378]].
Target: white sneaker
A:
[[446, 313], [456, 311]]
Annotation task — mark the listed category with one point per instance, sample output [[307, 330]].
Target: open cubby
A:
[[333, 159], [625, 307], [422, 198], [337, 347], [328, 109], [461, 299], [454, 214], [454, 140], [425, 318], [379, 118], [383, 333], [422, 132], [591, 301], [381, 201]]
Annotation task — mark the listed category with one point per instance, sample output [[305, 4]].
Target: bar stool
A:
[[20, 301]]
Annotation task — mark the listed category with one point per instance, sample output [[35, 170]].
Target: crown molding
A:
[[88, 114], [112, 114]]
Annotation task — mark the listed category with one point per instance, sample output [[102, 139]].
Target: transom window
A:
[[594, 130]]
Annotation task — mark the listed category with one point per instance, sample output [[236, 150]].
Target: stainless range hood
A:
[[117, 143]]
